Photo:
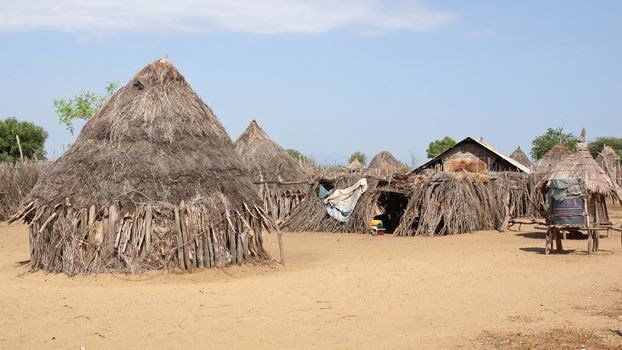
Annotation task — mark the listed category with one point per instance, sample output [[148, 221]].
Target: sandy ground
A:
[[337, 291]]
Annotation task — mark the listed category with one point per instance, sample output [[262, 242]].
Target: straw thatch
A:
[[281, 181], [455, 203], [580, 164], [609, 160], [16, 180], [385, 164], [152, 182], [356, 165], [548, 162], [310, 215], [520, 156]]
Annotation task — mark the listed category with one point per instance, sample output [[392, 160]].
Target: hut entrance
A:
[[392, 206]]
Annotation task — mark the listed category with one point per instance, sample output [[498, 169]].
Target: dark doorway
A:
[[392, 205]]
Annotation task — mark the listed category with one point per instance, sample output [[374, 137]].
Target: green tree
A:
[[31, 136], [360, 156], [82, 106], [614, 142], [543, 143], [437, 147]]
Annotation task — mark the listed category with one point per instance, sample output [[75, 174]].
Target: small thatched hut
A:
[[385, 164], [599, 186], [549, 161], [152, 182], [609, 160], [355, 166], [520, 156], [16, 180], [280, 180]]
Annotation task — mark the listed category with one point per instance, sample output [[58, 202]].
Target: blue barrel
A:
[[567, 212]]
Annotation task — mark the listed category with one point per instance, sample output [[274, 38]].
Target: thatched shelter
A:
[[16, 181], [599, 185], [549, 161], [441, 204], [280, 180], [385, 164], [454, 203], [356, 166], [609, 160], [152, 182], [520, 156]]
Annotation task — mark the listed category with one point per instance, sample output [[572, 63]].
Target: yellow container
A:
[[376, 222]]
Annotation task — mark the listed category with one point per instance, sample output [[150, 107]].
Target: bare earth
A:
[[337, 291]]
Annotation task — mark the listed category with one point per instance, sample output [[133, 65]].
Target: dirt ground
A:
[[337, 292]]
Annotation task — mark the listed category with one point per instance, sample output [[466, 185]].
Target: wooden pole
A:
[[19, 146], [279, 237]]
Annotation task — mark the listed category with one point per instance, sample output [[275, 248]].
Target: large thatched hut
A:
[[385, 164], [280, 180], [580, 164], [609, 160], [549, 161], [152, 182], [520, 156]]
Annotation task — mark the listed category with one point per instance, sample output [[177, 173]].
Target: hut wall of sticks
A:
[[152, 182], [281, 182], [599, 185], [16, 180], [454, 203], [441, 204]]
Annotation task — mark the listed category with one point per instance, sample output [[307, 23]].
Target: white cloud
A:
[[252, 16]]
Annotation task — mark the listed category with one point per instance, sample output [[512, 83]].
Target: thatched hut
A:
[[356, 166], [609, 160], [152, 182], [520, 156], [549, 161], [599, 185], [385, 164], [280, 180], [16, 181]]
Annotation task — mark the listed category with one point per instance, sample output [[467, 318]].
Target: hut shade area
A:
[[280, 180], [152, 182], [520, 156], [384, 164], [471, 156], [580, 164]]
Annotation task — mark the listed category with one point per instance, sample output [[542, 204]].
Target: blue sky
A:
[[329, 78]]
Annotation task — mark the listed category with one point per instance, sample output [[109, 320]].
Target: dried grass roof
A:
[[266, 160], [155, 141], [549, 161], [386, 162], [580, 164], [356, 165], [520, 156]]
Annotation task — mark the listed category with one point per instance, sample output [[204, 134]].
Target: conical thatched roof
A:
[[609, 160], [520, 156], [386, 163], [580, 164], [549, 161], [152, 182], [356, 165], [265, 159]]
